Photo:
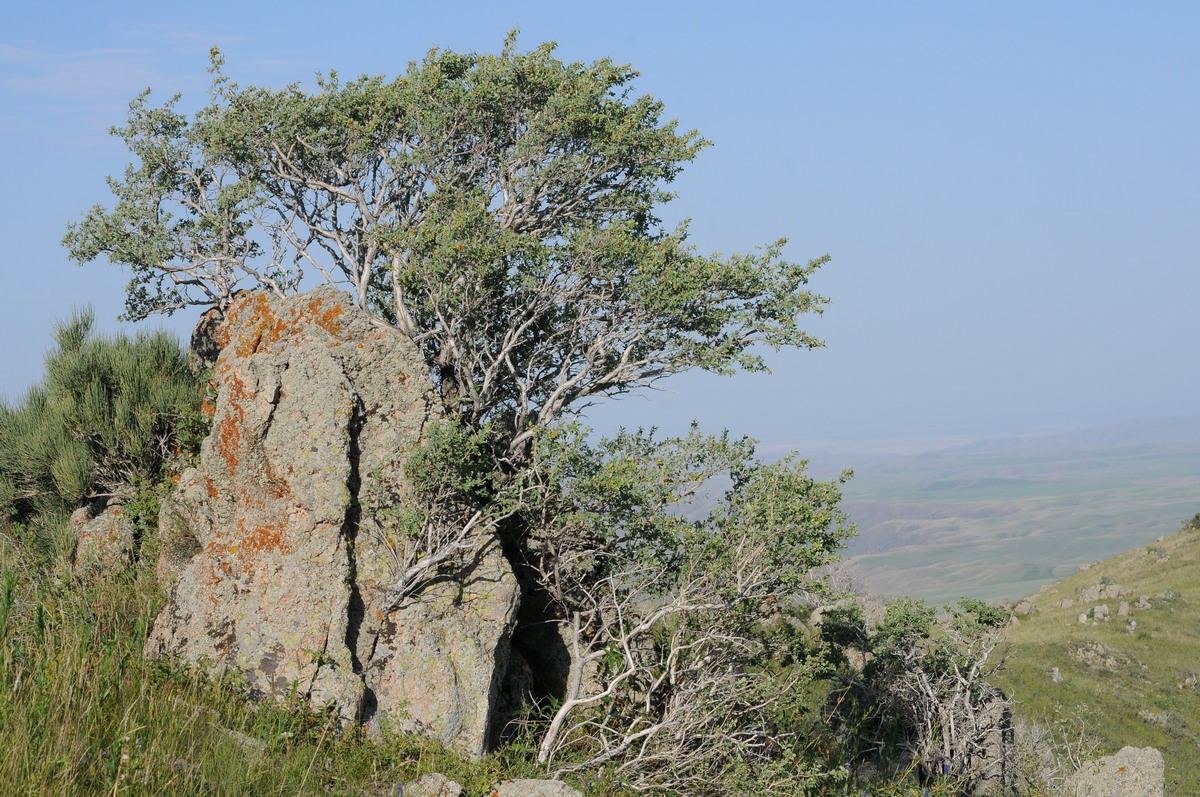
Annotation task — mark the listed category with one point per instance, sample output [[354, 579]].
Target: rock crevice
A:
[[278, 569]]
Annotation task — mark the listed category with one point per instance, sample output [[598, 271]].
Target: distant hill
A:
[[1130, 679], [999, 517]]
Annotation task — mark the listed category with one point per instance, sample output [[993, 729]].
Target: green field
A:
[[1000, 519]]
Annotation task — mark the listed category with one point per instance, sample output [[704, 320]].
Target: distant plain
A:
[[999, 517]]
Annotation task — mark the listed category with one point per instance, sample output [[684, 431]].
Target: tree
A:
[[661, 613], [497, 209]]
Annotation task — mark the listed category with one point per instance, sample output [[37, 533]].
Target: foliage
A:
[[498, 209], [108, 415], [913, 692], [662, 614]]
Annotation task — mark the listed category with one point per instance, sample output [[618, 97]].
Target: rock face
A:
[[438, 665], [277, 547], [1132, 772]]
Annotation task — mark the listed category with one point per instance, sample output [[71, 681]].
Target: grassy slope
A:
[[82, 712], [1133, 692]]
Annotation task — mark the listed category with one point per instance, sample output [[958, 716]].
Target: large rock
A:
[[437, 659], [104, 538], [1132, 772], [278, 547]]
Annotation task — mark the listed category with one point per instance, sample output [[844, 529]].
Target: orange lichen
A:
[[261, 327], [210, 487], [229, 434], [327, 319], [261, 323], [259, 539]]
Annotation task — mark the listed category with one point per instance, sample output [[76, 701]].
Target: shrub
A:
[[107, 416]]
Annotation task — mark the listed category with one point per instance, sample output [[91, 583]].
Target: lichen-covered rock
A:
[[432, 785], [275, 547], [104, 538], [528, 787], [1132, 772], [442, 654]]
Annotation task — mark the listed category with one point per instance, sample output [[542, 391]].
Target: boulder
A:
[[431, 785], [528, 787], [441, 656], [277, 549], [1132, 772], [104, 538]]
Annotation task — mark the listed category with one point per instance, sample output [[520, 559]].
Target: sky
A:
[[1010, 193]]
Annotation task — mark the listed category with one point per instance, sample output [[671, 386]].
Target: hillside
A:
[[1129, 679]]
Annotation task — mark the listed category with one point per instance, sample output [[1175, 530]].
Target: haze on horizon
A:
[[1009, 194]]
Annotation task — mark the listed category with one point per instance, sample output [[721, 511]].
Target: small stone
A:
[[1056, 676], [1123, 609], [432, 785], [104, 539], [527, 787]]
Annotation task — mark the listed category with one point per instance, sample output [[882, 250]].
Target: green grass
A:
[[82, 713], [1134, 691]]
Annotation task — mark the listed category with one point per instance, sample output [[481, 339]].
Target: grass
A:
[[1123, 684], [82, 713]]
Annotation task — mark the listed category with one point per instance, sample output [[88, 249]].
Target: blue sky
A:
[[1010, 192]]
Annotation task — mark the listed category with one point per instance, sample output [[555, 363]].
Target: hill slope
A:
[[1129, 679]]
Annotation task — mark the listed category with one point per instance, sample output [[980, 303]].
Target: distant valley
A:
[[1000, 517]]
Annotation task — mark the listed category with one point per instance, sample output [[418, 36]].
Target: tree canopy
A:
[[498, 209]]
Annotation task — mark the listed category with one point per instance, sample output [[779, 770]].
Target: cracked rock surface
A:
[[275, 548]]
